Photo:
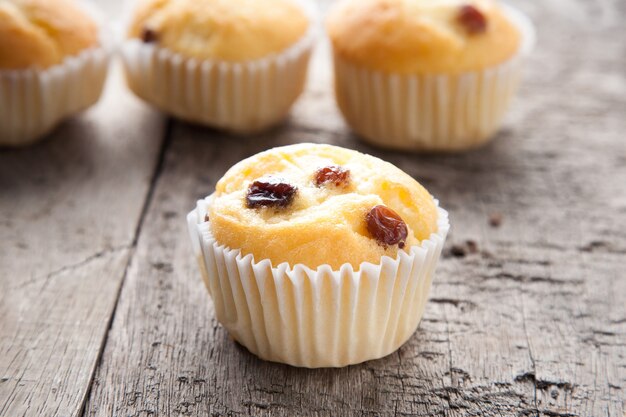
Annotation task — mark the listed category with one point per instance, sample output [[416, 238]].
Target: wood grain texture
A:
[[531, 323], [70, 209]]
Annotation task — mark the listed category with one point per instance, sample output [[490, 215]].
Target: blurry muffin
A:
[[426, 74], [52, 65], [423, 36], [224, 30], [232, 64], [331, 251], [42, 33]]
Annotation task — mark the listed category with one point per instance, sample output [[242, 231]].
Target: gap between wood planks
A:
[[158, 169]]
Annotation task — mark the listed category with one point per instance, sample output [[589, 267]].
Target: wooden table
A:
[[103, 311]]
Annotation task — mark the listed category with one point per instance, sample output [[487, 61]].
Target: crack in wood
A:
[[71, 267], [454, 302], [543, 383], [158, 169]]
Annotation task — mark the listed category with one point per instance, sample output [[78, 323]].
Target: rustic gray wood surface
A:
[[70, 209], [527, 318]]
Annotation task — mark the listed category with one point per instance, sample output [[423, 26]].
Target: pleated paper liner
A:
[[33, 102], [241, 97], [440, 112], [317, 318]]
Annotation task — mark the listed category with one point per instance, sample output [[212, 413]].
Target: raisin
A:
[[270, 192], [472, 19], [386, 226], [472, 246], [149, 35], [333, 174], [206, 217]]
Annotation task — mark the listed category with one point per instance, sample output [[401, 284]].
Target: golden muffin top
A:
[[41, 33], [319, 204], [422, 36], [228, 30]]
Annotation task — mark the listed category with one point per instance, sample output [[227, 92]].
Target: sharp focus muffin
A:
[[318, 256]]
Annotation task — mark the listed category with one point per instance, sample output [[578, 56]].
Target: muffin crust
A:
[[41, 33], [422, 36], [324, 223], [227, 30]]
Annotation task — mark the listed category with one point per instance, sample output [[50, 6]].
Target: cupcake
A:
[[237, 65], [426, 74], [318, 256], [53, 64]]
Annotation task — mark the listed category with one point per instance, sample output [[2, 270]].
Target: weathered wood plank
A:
[[70, 210], [531, 323]]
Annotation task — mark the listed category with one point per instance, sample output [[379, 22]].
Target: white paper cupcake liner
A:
[[241, 97], [33, 102], [316, 318], [431, 112]]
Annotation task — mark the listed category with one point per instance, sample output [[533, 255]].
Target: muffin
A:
[[52, 65], [426, 74], [318, 256], [237, 65]]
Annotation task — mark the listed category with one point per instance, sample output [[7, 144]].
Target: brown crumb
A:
[[206, 217], [458, 251], [461, 250], [472, 246], [495, 219]]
